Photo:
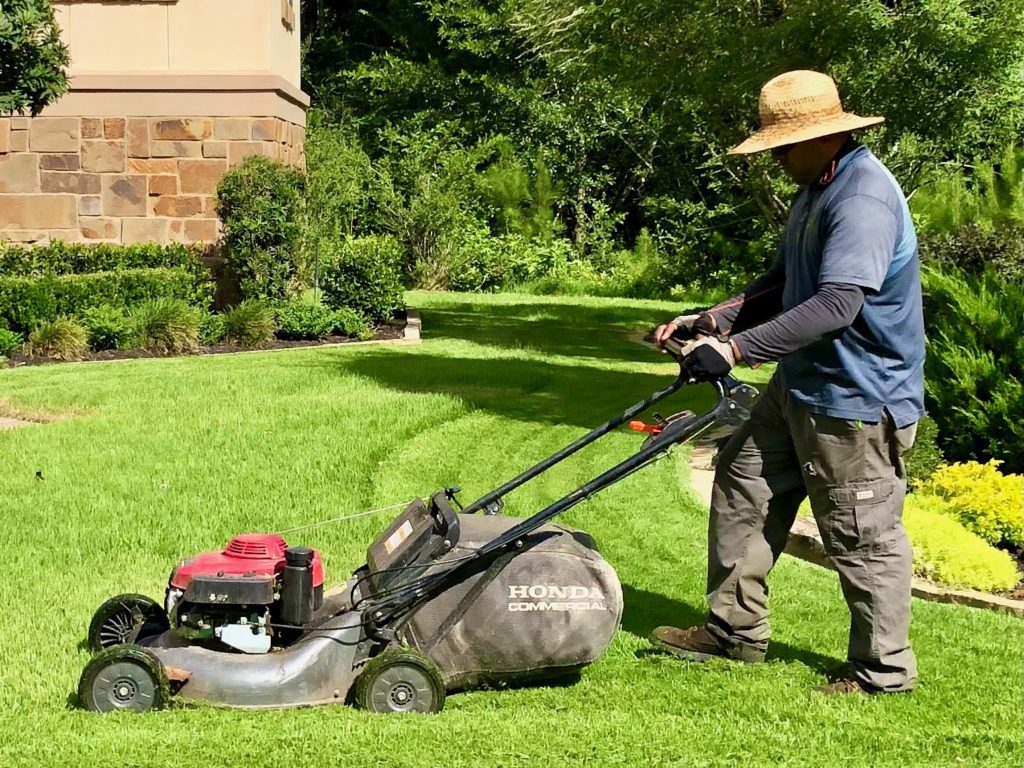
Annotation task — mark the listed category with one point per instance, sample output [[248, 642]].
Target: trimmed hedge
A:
[[60, 258], [27, 301], [362, 273]]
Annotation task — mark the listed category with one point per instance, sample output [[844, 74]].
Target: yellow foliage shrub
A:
[[984, 500], [947, 553]]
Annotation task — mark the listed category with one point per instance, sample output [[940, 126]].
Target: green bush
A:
[[924, 457], [212, 328], [108, 327], [362, 274], [301, 320], [976, 250], [27, 301], [984, 500], [991, 195], [60, 339], [35, 60], [250, 324], [61, 258], [9, 342], [260, 203], [166, 326], [946, 553], [974, 370], [348, 322]]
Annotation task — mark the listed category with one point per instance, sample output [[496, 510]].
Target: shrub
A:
[[363, 274], [165, 326], [975, 249], [27, 301], [9, 342], [302, 320], [212, 328], [984, 500], [250, 324], [60, 339], [947, 553], [60, 258], [107, 326], [924, 457], [260, 204], [975, 365], [348, 322]]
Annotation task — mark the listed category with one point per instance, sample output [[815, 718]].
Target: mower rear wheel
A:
[[400, 680], [124, 678], [125, 619]]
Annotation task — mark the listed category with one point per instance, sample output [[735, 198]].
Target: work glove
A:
[[708, 358], [685, 327]]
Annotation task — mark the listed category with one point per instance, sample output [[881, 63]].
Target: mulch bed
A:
[[390, 331]]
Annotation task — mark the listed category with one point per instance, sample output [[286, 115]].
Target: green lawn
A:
[[151, 460]]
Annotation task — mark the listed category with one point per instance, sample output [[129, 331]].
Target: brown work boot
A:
[[697, 644]]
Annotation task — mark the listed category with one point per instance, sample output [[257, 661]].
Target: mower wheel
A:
[[125, 619], [124, 678], [400, 680]]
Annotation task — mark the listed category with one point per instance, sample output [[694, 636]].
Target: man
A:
[[841, 312]]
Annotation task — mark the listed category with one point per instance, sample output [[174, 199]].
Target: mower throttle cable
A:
[[345, 517]]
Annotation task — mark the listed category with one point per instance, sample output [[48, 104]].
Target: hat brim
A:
[[781, 135]]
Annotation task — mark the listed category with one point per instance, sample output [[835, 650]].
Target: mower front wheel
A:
[[126, 619], [400, 680], [124, 678]]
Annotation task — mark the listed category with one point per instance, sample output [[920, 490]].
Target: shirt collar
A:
[[842, 159]]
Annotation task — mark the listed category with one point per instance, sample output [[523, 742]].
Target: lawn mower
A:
[[450, 598]]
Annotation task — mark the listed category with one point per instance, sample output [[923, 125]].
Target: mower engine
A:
[[234, 596]]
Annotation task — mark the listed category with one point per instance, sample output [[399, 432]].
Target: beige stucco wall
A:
[[180, 36]]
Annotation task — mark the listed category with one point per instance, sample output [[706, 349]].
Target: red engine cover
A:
[[261, 553]]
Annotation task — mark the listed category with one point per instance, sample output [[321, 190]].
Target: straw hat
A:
[[797, 106]]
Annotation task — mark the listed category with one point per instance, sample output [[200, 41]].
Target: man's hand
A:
[[709, 358], [685, 327]]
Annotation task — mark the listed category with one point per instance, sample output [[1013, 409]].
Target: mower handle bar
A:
[[491, 501]]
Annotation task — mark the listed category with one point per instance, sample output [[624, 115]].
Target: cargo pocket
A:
[[858, 516]]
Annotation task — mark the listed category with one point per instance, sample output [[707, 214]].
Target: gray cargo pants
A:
[[854, 476]]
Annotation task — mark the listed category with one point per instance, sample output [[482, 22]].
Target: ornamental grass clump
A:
[[982, 499], [166, 326], [60, 339], [250, 324]]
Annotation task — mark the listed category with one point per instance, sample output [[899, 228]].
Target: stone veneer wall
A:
[[127, 180]]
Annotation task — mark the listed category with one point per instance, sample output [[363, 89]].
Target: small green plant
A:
[[108, 327], [260, 202], [60, 339], [211, 328], [166, 326], [250, 324], [301, 320], [983, 499], [9, 342], [363, 274], [349, 322]]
